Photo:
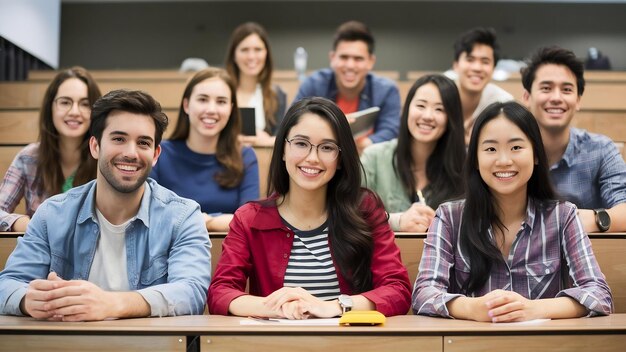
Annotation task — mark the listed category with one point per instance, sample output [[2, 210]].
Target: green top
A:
[[380, 173], [381, 177], [69, 183]]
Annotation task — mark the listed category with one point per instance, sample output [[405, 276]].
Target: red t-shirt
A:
[[347, 106]]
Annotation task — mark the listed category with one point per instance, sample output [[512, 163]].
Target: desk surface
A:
[[399, 325]]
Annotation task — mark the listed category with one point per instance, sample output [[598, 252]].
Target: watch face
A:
[[603, 219], [345, 301]]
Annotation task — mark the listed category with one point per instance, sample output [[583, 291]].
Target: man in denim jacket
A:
[[350, 83], [120, 246]]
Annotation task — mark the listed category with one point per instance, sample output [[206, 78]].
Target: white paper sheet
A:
[[303, 322]]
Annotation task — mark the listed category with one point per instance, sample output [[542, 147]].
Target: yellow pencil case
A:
[[362, 317]]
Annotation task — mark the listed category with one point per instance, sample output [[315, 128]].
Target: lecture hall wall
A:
[[411, 35]]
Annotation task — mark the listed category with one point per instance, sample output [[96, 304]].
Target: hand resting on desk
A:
[[79, 300], [500, 306]]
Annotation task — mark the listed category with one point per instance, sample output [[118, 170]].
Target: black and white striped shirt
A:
[[311, 265]]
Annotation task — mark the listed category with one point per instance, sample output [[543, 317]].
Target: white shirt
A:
[[256, 101], [108, 269]]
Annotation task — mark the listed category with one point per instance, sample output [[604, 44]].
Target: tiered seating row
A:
[[608, 248]]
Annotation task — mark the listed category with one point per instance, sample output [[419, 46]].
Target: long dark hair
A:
[[49, 176], [270, 98], [444, 167], [352, 244], [481, 209], [228, 151]]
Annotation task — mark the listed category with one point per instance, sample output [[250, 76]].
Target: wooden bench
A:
[[102, 75]]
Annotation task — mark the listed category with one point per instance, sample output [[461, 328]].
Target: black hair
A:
[[480, 210], [557, 56], [444, 168], [349, 232], [353, 31], [133, 101], [465, 42]]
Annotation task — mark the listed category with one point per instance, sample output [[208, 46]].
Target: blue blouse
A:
[[192, 175]]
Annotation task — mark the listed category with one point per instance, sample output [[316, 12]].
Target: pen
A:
[[263, 319], [420, 198]]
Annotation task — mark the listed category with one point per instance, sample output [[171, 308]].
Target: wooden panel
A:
[[411, 252], [264, 157], [104, 75], [608, 123], [17, 95], [610, 255], [7, 154], [22, 126], [216, 251], [25, 343], [167, 93], [20, 95], [19, 126], [7, 245], [594, 343], [318, 343], [403, 88]]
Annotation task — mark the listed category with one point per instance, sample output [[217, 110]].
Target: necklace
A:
[[300, 223]]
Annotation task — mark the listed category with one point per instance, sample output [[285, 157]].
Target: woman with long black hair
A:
[[319, 245], [505, 253]]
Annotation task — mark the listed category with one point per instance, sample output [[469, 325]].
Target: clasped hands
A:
[[67, 300], [500, 306], [297, 303]]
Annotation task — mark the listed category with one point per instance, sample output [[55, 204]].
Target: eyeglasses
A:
[[64, 104], [327, 151]]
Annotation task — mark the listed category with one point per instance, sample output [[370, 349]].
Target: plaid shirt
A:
[[592, 173], [18, 183], [533, 267]]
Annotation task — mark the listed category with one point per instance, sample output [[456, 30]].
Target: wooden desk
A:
[[402, 333]]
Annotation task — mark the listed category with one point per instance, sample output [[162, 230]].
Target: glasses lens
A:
[[64, 104], [84, 106], [328, 151], [300, 147]]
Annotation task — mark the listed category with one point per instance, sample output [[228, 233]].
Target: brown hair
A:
[[49, 177], [270, 98], [228, 151], [133, 101]]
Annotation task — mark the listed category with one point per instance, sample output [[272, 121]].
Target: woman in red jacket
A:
[[319, 245]]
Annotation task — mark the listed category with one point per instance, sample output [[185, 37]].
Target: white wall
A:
[[34, 26]]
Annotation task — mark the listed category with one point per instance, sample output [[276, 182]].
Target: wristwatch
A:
[[345, 302], [603, 220]]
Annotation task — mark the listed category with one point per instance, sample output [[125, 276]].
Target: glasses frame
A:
[[317, 150], [80, 108]]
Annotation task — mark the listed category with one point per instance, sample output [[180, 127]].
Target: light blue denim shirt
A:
[[167, 249]]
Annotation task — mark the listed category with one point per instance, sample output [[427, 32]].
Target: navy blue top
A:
[[192, 175]]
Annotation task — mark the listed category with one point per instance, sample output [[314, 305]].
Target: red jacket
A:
[[258, 246]]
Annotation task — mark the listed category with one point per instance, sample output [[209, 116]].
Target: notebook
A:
[[248, 121], [363, 121]]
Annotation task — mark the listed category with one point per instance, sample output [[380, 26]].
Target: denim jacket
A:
[[378, 91], [167, 249]]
